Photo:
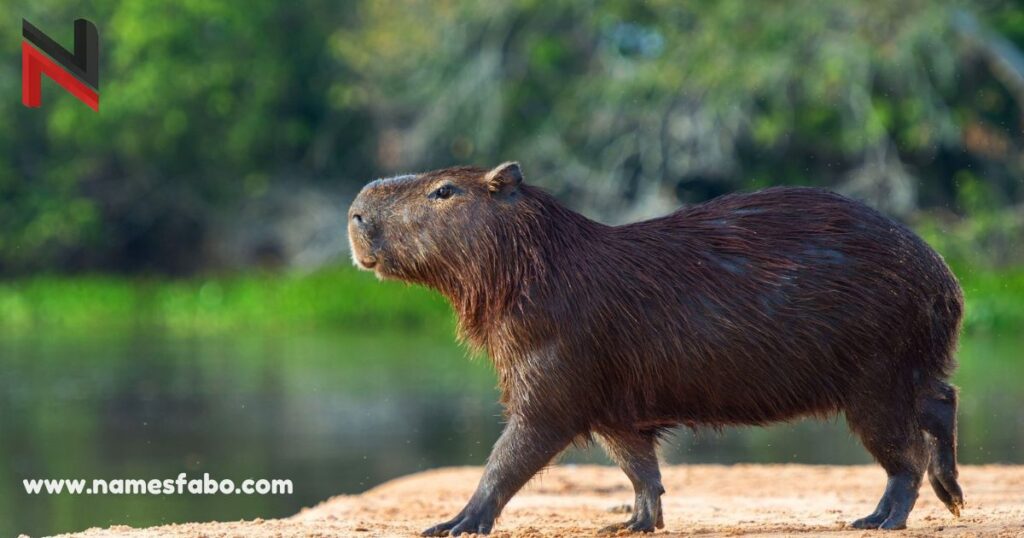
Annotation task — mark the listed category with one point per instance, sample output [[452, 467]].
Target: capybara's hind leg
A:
[[937, 414], [893, 437], [634, 451]]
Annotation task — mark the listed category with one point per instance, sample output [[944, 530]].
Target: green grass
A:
[[338, 298]]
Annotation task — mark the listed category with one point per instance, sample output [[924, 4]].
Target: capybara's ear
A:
[[504, 178]]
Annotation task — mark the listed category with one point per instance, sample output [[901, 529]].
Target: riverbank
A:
[[705, 500]]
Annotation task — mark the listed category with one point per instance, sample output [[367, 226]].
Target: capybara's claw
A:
[[862, 523], [441, 529], [468, 524], [956, 507], [870, 522], [882, 521], [628, 526]]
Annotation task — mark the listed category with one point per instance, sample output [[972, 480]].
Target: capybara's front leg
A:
[[522, 450], [634, 451]]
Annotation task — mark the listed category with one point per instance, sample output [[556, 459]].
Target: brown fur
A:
[[748, 309]]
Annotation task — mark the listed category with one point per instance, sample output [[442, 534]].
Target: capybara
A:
[[748, 309]]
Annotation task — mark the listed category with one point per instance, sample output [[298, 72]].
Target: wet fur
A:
[[748, 309]]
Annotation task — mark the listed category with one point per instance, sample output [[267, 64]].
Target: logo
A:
[[78, 73]]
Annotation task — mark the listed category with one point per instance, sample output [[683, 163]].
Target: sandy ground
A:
[[703, 500]]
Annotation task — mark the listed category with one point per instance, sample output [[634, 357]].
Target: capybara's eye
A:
[[443, 192]]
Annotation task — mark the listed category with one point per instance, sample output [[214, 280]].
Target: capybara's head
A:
[[436, 227]]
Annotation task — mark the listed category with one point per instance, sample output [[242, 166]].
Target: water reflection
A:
[[335, 413]]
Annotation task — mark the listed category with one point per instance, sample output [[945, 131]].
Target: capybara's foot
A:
[[467, 522], [630, 526], [879, 521], [948, 491], [888, 516], [870, 522], [896, 504], [634, 451], [642, 521]]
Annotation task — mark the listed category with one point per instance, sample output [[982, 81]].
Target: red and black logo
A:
[[78, 73]]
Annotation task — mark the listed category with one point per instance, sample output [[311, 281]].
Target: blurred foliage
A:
[[202, 103], [624, 109]]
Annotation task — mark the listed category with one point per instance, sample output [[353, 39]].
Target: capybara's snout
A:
[[362, 224]]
